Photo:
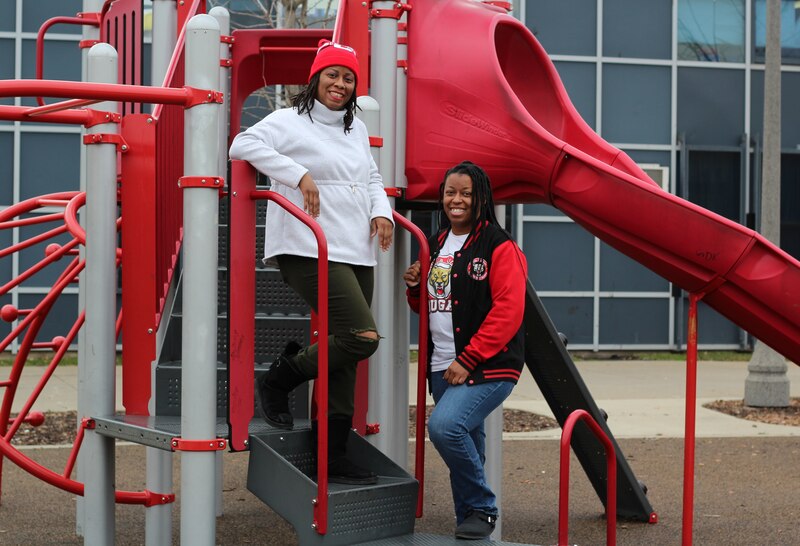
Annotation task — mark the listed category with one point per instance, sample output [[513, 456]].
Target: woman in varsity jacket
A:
[[317, 154], [476, 299]]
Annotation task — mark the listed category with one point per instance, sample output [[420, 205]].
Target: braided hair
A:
[[482, 201], [304, 102]]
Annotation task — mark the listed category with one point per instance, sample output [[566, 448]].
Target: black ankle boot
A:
[[274, 386], [340, 468]]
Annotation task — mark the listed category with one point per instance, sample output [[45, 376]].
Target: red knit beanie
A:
[[333, 54]]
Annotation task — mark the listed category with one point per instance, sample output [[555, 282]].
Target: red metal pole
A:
[[689, 430], [321, 390], [611, 475], [422, 358]]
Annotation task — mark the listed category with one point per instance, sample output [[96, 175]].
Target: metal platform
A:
[[158, 431], [423, 539]]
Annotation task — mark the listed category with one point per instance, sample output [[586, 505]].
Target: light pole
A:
[[767, 384]]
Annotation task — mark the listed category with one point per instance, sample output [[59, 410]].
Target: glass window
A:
[[49, 163], [573, 317], [60, 318], [62, 61], [560, 256], [790, 197], [632, 28], [790, 114], [580, 82], [790, 30], [714, 181], [6, 169], [6, 67], [711, 30], [565, 27], [36, 13], [9, 10], [711, 106], [620, 273], [636, 104], [634, 321]]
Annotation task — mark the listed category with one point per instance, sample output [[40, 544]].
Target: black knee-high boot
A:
[[274, 386]]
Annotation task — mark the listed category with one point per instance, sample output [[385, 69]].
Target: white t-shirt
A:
[[440, 319]]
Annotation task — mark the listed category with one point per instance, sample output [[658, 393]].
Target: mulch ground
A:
[[60, 427], [775, 416]]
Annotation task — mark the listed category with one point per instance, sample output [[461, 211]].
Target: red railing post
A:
[[689, 428], [422, 357], [611, 475]]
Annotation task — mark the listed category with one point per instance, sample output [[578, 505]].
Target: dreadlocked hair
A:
[[304, 102], [482, 201]]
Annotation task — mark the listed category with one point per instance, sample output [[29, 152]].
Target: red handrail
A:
[[422, 357], [611, 475], [184, 96], [321, 393], [79, 20]]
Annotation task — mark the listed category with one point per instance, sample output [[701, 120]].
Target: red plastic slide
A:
[[481, 87]]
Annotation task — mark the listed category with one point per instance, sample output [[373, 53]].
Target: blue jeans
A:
[[456, 430]]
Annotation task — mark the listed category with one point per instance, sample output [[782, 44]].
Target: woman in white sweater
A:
[[317, 154]]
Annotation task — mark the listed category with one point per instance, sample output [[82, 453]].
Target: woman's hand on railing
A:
[[412, 275]]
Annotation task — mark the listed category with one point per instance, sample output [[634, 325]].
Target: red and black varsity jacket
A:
[[488, 277]]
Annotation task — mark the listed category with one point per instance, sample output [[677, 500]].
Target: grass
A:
[[705, 356], [71, 358]]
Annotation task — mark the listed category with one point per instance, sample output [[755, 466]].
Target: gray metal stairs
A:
[[281, 316], [282, 473]]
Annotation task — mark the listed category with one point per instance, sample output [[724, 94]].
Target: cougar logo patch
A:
[[478, 269], [439, 285]]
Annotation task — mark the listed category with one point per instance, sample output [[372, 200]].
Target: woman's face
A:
[[336, 86], [457, 202]]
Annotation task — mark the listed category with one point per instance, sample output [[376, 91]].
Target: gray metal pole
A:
[[494, 437], [767, 384], [199, 326], [98, 390], [88, 33], [165, 36], [402, 258], [224, 21], [383, 408], [158, 518]]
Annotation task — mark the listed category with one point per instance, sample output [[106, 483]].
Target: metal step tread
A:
[[425, 539], [159, 430]]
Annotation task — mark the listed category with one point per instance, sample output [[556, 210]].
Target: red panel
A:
[[122, 28], [139, 265], [242, 255], [480, 87]]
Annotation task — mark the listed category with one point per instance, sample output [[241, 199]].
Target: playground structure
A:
[[514, 118]]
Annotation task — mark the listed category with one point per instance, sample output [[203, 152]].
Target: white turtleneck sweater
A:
[[285, 145]]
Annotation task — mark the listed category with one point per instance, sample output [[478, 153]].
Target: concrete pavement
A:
[[644, 399]]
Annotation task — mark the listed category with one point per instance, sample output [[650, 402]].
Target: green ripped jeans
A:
[[349, 297]]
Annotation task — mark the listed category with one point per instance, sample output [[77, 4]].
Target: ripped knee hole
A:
[[366, 335]]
